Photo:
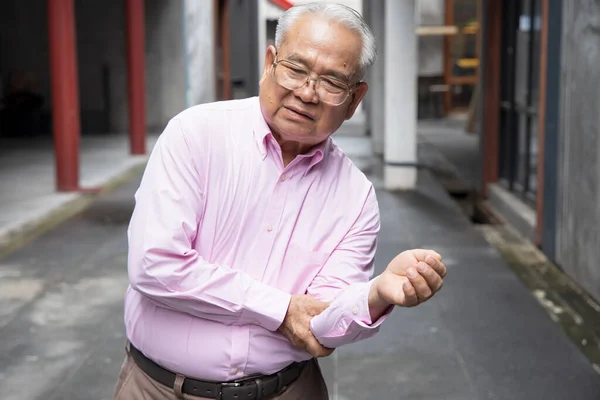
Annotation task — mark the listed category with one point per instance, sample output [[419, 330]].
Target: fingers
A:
[[317, 309], [409, 296], [438, 266], [315, 348], [421, 254], [431, 276], [420, 285], [309, 305], [296, 324]]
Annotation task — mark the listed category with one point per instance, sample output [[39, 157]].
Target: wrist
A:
[[377, 304]]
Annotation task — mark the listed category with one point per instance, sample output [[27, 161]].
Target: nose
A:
[[307, 92]]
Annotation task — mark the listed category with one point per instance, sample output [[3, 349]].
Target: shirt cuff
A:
[[265, 305], [347, 319]]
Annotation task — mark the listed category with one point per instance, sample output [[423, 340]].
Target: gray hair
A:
[[343, 15]]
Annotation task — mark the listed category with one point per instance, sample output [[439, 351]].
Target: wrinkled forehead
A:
[[320, 43]]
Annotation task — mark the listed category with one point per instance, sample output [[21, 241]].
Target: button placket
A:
[[266, 237]]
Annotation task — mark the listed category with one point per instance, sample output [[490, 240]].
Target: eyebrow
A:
[[295, 57]]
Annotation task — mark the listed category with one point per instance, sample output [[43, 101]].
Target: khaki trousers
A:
[[134, 384]]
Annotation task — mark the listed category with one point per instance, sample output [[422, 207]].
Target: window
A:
[[520, 97]]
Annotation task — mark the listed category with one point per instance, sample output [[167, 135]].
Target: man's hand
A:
[[296, 324], [411, 278]]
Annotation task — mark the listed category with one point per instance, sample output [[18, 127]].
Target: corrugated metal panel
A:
[[578, 219]]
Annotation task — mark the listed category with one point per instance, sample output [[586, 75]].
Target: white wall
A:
[[431, 48], [200, 45], [165, 61]]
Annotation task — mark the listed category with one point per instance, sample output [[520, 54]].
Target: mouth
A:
[[301, 112]]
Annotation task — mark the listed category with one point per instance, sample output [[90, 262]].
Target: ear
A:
[[357, 95], [270, 56]]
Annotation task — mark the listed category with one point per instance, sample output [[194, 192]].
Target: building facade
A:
[[540, 127], [101, 67]]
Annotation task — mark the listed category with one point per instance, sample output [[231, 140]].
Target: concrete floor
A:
[[27, 176]]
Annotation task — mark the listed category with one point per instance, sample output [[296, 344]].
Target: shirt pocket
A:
[[304, 265]]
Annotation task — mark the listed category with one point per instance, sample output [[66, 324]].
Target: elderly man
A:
[[253, 236]]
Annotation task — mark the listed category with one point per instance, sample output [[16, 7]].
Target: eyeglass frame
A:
[[350, 88]]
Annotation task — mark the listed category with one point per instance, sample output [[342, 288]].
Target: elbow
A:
[[140, 277], [136, 281], [152, 272]]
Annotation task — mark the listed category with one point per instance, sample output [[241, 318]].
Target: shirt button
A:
[[235, 371], [282, 178], [355, 310], [269, 227]]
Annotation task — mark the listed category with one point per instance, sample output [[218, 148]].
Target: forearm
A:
[[209, 291], [348, 318]]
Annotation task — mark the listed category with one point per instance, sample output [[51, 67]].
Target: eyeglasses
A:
[[292, 77]]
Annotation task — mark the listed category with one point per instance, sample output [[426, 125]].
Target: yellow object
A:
[[437, 30], [468, 62], [470, 30]]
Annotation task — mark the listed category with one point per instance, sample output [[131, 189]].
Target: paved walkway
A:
[[482, 337], [448, 149], [28, 197]]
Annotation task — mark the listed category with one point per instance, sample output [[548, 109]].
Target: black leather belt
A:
[[250, 389]]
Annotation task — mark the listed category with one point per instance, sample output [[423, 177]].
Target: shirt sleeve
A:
[[162, 263], [345, 282]]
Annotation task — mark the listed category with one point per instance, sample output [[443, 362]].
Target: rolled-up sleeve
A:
[[345, 282], [162, 263]]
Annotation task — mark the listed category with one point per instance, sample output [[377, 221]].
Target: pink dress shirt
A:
[[222, 234]]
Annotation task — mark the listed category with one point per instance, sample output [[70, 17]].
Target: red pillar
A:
[[134, 13], [65, 96]]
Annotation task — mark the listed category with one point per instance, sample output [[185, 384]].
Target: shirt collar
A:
[[317, 153], [262, 131]]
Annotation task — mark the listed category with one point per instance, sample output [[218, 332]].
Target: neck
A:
[[291, 149]]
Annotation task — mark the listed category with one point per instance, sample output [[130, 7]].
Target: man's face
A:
[[321, 48]]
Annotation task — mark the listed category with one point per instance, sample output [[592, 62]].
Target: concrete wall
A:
[[101, 58], [431, 48], [165, 61], [200, 45], [578, 219]]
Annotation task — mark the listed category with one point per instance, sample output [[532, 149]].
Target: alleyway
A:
[[482, 337]]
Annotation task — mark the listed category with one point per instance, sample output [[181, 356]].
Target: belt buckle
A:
[[224, 386]]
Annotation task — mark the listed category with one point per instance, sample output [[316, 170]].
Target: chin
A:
[[291, 128]]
